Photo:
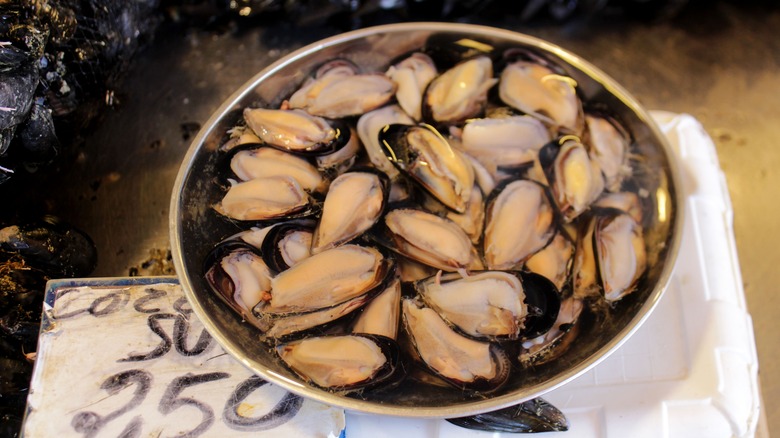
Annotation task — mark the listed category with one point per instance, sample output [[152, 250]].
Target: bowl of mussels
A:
[[426, 220]]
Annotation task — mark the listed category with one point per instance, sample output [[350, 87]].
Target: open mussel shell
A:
[[611, 256], [326, 279], [266, 200], [544, 303], [555, 260], [462, 362], [422, 153], [574, 178], [556, 341], [355, 201], [493, 305], [459, 93], [609, 143], [283, 327], [427, 238], [485, 305], [286, 244], [344, 363], [297, 131], [237, 274], [382, 315], [519, 221], [254, 161], [538, 87]]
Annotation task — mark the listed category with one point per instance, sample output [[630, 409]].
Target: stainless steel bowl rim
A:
[[477, 406]]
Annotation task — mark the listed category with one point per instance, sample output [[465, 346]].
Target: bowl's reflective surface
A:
[[195, 227]]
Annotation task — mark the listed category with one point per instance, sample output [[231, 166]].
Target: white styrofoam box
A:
[[691, 370]]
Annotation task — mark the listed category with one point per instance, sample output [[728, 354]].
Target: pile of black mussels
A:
[[31, 253]]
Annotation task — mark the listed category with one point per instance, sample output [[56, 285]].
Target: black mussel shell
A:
[[446, 51], [544, 303], [270, 249], [535, 415], [52, 246]]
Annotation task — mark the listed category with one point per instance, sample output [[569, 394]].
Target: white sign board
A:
[[133, 361]]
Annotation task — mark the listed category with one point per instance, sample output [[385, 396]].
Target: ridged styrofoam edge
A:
[[692, 368]]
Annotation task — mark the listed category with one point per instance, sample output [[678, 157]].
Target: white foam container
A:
[[691, 370]]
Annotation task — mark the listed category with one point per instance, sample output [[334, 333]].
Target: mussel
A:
[[296, 131], [429, 239], [459, 93], [412, 76], [340, 90], [326, 279], [263, 199], [426, 156], [611, 256], [265, 162], [462, 362], [355, 201], [343, 363], [236, 272], [534, 86], [574, 178], [520, 221]]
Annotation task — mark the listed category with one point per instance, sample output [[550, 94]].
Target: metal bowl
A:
[[195, 227]]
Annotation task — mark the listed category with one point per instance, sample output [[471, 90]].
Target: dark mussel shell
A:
[[535, 415], [272, 249], [447, 51], [558, 340], [50, 245], [544, 303], [385, 376]]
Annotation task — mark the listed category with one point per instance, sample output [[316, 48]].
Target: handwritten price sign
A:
[[132, 361]]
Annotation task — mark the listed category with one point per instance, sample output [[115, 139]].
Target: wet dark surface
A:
[[720, 64]]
